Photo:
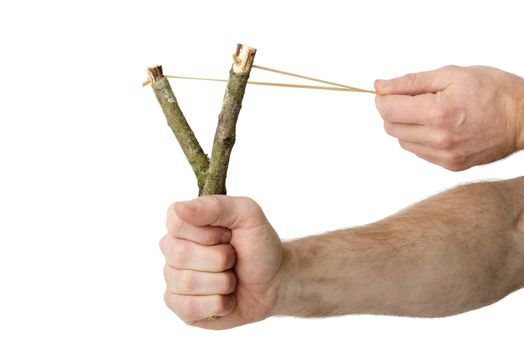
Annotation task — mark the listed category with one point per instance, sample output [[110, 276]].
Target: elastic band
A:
[[338, 87]]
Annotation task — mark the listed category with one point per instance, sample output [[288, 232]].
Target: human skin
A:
[[456, 117], [453, 252]]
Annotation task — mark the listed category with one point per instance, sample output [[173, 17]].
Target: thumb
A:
[[413, 83], [220, 210]]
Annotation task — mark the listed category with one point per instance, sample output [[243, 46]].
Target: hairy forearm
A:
[[453, 252]]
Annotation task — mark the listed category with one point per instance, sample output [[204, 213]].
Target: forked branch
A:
[[211, 174]]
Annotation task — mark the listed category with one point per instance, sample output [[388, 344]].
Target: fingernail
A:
[[381, 84], [188, 204], [226, 236]]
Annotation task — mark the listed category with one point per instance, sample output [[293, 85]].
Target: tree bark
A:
[[225, 135], [210, 173], [179, 125]]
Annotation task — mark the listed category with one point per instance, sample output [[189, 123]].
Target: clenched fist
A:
[[222, 259], [456, 117]]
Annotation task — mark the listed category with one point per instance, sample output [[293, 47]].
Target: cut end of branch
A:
[[243, 59], [154, 74]]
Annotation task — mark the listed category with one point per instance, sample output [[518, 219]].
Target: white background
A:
[[88, 165]]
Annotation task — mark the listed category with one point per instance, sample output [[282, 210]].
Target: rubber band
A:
[[263, 83], [334, 87], [351, 88]]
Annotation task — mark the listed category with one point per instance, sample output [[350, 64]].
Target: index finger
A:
[[407, 109], [205, 235]]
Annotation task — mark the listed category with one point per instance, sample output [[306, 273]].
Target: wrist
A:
[[519, 114], [287, 282]]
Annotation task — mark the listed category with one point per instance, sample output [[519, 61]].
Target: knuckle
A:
[[451, 72], [212, 236], [175, 304], [411, 79], [450, 68], [162, 243], [214, 201], [443, 140], [437, 116], [249, 212], [182, 254], [250, 204], [166, 272], [188, 309], [186, 281], [455, 158], [455, 167], [452, 167], [454, 161], [185, 307], [215, 206]]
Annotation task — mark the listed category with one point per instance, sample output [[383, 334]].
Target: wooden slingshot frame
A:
[[210, 172]]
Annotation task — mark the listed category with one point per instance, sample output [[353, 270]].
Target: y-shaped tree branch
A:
[[211, 175]]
